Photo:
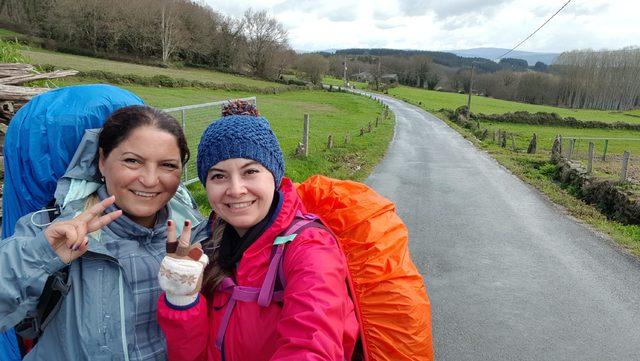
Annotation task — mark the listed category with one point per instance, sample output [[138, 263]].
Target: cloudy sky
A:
[[449, 24]]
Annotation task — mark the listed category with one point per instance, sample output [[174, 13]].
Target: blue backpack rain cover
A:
[[39, 145]]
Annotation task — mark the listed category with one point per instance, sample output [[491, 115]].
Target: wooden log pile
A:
[[13, 96]]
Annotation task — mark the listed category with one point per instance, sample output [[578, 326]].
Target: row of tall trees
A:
[[599, 79], [163, 30], [578, 79]]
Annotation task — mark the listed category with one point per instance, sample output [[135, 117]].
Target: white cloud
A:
[[453, 24]]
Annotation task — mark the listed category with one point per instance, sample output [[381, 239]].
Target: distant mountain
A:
[[492, 53]]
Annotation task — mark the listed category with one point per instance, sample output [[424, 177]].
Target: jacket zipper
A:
[[123, 335]]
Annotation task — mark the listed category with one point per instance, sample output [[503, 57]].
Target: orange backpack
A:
[[389, 292]]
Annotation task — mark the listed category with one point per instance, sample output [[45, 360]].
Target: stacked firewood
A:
[[13, 96]]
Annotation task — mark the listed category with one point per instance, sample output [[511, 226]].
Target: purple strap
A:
[[266, 291], [299, 221]]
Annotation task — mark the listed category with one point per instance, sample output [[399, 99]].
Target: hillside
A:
[[84, 63], [493, 53]]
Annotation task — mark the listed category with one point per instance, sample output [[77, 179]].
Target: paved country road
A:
[[510, 277]]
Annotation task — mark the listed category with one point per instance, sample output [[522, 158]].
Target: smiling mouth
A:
[[241, 205], [145, 194]]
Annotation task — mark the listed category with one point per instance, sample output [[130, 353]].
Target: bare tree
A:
[[314, 66], [264, 35], [168, 28]]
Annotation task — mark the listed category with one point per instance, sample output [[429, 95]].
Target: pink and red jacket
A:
[[313, 319]]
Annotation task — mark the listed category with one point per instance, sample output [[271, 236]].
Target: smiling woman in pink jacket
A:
[[275, 288]]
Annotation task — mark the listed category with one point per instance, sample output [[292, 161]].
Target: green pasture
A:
[[432, 101], [619, 140], [85, 63]]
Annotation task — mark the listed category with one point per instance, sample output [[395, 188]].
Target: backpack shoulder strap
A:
[[300, 223]]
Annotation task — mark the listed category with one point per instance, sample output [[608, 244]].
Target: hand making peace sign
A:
[[69, 238], [181, 269]]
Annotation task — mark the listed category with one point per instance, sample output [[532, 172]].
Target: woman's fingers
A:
[[97, 223], [172, 237], [96, 210], [68, 232], [185, 240]]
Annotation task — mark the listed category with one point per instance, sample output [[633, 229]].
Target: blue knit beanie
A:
[[240, 136]]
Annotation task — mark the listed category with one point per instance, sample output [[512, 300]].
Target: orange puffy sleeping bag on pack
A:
[[389, 292]]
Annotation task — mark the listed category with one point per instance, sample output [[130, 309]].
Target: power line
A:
[[527, 38]]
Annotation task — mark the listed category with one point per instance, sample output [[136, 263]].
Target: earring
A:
[[102, 179]]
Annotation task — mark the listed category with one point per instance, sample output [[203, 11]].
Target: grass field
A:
[[84, 63], [618, 142], [434, 100]]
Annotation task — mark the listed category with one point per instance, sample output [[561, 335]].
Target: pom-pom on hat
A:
[[240, 136]]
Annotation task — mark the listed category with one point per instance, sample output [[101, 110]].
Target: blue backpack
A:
[[40, 142]]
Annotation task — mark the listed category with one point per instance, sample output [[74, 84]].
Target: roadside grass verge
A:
[[538, 171], [434, 100], [338, 114], [84, 63]]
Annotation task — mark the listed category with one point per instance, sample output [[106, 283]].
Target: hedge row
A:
[[542, 118], [169, 82]]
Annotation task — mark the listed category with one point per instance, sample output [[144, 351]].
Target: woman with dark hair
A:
[[115, 198]]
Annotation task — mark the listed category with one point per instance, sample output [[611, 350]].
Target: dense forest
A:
[[187, 32]]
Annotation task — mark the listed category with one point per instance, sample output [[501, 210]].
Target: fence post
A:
[[570, 151], [625, 164], [560, 137], [305, 135], [590, 160], [369, 128], [513, 142], [377, 118], [604, 153], [184, 129], [346, 138], [533, 145], [330, 142]]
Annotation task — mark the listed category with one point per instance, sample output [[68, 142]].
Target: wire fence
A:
[[615, 158], [194, 120]]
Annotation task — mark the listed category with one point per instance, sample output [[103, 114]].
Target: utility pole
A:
[[470, 90], [344, 76]]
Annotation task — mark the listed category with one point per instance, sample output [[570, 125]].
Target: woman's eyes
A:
[[136, 162], [220, 176], [170, 165]]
